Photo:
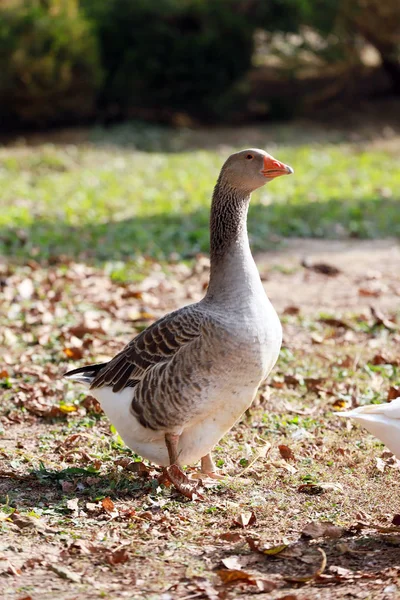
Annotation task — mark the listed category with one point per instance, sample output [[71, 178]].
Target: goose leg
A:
[[207, 464], [208, 467], [174, 473], [171, 441]]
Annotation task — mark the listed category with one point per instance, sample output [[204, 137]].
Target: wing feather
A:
[[156, 344]]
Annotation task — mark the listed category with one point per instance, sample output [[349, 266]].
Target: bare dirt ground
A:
[[83, 517], [374, 265]]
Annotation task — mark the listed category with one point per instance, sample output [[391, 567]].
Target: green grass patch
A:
[[136, 191]]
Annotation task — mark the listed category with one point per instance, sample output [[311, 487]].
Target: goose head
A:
[[250, 169]]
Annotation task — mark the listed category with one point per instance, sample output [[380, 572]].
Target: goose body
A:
[[382, 420], [182, 383]]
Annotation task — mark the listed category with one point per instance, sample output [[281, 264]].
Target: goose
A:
[[382, 420], [180, 385]]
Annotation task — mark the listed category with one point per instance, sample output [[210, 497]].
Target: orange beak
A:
[[274, 168]]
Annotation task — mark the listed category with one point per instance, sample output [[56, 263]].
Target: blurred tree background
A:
[[183, 61], [116, 117]]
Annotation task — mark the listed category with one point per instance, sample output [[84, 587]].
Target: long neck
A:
[[228, 220], [231, 260]]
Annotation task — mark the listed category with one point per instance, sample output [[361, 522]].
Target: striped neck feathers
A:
[[228, 220]]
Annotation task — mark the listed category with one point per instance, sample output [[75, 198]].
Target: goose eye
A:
[[249, 156]]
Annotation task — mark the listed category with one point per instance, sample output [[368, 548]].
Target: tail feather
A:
[[388, 409], [85, 374]]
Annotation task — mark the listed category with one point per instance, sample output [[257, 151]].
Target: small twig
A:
[[260, 453]]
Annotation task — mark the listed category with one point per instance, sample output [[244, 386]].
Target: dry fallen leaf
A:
[[133, 466], [291, 310], [317, 339], [7, 517], [30, 522], [142, 315], [318, 529], [49, 412], [229, 576], [312, 489], [267, 550], [66, 408], [129, 513], [85, 327], [292, 380], [314, 384], [65, 573], [284, 465], [84, 547], [183, 484], [92, 405], [339, 404], [333, 322], [233, 575], [372, 292], [393, 393], [37, 400], [73, 353], [381, 359], [323, 268], [146, 515], [11, 570], [347, 362], [245, 519], [25, 289], [276, 382], [265, 585], [117, 557], [72, 504], [380, 464], [3, 374], [273, 550], [381, 319], [385, 529], [108, 504], [286, 452], [73, 440], [342, 571], [231, 536], [232, 562]]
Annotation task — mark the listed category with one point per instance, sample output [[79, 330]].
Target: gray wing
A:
[[155, 345]]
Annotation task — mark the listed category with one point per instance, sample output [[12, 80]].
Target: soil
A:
[[115, 534]]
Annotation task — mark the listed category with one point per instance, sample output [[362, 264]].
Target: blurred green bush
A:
[[70, 60], [49, 62], [172, 55], [337, 30]]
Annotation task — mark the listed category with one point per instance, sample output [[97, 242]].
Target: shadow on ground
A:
[[366, 553], [187, 234], [366, 122], [58, 486], [146, 137], [354, 552]]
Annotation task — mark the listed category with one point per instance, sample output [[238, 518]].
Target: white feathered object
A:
[[382, 420]]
